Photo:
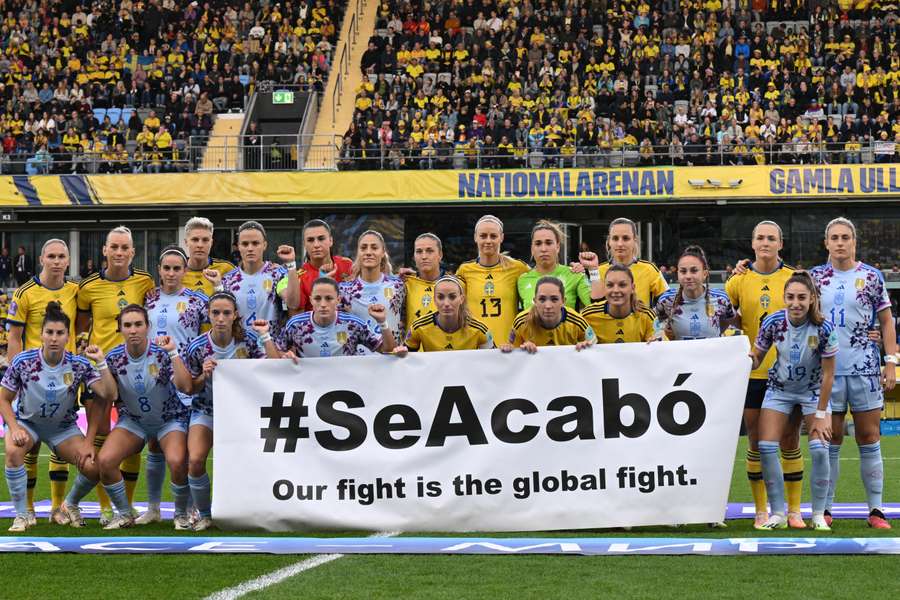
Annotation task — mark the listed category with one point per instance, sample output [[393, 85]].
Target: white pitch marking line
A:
[[269, 579]]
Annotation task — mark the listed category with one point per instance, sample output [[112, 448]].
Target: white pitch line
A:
[[269, 579]]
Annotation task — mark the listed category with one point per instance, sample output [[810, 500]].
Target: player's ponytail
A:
[[54, 314], [814, 314]]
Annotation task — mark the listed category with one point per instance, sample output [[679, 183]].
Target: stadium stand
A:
[[473, 83], [124, 86]]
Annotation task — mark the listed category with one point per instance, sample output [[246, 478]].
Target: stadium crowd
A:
[[120, 85], [476, 83]]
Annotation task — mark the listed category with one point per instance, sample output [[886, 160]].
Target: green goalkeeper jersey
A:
[[578, 288]]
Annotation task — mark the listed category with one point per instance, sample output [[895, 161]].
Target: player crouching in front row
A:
[[44, 382]]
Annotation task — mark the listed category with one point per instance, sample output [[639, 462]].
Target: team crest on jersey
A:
[[765, 300], [181, 307], [388, 293], [68, 377], [812, 342], [710, 310], [489, 288], [267, 285], [122, 304], [426, 300], [860, 283], [342, 337], [240, 353], [153, 370]]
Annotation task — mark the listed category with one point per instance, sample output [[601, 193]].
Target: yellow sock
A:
[[131, 468], [105, 504], [31, 465], [757, 485], [792, 465], [59, 477]]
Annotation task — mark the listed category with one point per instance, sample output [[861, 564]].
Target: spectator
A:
[[6, 269], [24, 267]]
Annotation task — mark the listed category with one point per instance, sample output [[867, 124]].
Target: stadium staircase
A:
[[221, 152], [338, 102]]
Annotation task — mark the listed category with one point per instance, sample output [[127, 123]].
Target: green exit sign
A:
[[282, 97]]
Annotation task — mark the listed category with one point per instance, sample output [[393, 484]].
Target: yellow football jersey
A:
[[105, 299], [29, 304], [756, 296], [572, 329], [491, 293], [425, 333], [419, 299], [636, 327], [196, 282], [648, 281]]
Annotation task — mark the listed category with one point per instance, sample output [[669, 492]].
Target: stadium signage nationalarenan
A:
[[567, 183]]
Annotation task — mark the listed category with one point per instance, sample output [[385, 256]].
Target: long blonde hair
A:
[[385, 266], [505, 260], [463, 312]]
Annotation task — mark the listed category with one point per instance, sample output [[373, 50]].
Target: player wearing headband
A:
[[25, 320], [450, 327], [173, 311], [489, 281]]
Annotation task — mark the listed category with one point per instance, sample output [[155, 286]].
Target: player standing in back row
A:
[[757, 291], [855, 299]]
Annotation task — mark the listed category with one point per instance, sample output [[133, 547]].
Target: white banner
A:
[[616, 435]]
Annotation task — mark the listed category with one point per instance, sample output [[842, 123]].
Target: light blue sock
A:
[[834, 464], [820, 481], [81, 488], [182, 494], [772, 475], [17, 481], [200, 492], [118, 496], [156, 474], [871, 468]]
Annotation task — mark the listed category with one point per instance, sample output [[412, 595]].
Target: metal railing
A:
[[475, 155], [341, 68], [265, 152]]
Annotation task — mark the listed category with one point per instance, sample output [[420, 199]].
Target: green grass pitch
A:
[[453, 577]]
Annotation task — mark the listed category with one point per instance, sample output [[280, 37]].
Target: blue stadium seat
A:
[[126, 115], [114, 115], [99, 113]]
